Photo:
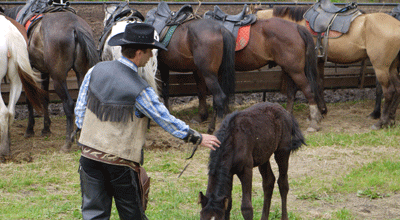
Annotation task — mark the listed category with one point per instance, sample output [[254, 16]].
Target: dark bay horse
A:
[[374, 36], [248, 139], [59, 42], [207, 49], [14, 64], [278, 42]]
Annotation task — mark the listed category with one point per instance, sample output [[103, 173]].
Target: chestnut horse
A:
[[248, 139], [59, 42], [278, 42], [14, 64], [374, 36]]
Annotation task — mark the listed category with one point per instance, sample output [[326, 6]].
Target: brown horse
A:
[[207, 49], [248, 139], [14, 64], [290, 46], [59, 42], [374, 36]]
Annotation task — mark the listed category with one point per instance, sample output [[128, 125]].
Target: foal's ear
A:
[[202, 199]]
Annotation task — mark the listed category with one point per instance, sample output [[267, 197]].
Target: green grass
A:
[[48, 187]]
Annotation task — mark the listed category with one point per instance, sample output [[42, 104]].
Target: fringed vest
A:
[[110, 124]]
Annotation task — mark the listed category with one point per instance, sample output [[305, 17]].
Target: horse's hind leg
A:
[[68, 104], [268, 182], [282, 159]]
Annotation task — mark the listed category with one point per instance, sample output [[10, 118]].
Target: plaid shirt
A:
[[147, 104]]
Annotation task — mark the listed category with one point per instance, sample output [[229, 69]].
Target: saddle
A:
[[36, 7], [121, 13], [324, 15], [162, 18], [396, 12], [231, 22]]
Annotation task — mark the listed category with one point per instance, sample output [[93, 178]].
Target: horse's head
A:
[[213, 209]]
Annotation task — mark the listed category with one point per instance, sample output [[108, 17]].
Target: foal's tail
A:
[[19, 57], [227, 68], [297, 136], [310, 68]]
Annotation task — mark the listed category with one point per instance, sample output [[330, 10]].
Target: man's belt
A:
[[100, 156]]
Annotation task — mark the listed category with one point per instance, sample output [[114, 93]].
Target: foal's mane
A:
[[215, 165], [294, 13]]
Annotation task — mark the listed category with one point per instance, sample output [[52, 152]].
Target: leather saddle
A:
[[35, 7], [162, 17], [231, 22], [121, 13], [396, 12], [324, 15]]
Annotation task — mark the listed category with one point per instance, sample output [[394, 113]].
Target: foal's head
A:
[[213, 208]]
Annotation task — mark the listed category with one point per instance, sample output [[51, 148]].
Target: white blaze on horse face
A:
[[213, 218]]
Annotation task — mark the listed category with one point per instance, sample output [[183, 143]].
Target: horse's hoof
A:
[[65, 149], [375, 127], [46, 133], [373, 116], [193, 121], [29, 134], [311, 130]]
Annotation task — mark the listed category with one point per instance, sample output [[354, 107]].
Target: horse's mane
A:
[[294, 12]]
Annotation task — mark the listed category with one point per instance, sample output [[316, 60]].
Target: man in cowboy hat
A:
[[112, 111]]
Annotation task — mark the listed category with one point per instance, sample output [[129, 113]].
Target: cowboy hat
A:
[[137, 34]]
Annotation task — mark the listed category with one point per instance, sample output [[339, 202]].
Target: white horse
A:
[[147, 72], [14, 64]]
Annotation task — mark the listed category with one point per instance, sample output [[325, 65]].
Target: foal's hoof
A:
[[374, 115], [312, 130]]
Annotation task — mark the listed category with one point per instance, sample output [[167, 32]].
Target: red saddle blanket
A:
[[332, 34], [32, 20], [243, 37]]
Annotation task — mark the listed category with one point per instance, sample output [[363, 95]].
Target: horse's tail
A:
[[19, 55], [86, 40], [297, 136], [227, 68], [310, 68]]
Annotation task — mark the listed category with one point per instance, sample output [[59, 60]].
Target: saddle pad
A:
[[168, 35], [332, 34], [31, 21], [243, 37]]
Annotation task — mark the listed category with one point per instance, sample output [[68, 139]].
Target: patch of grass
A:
[[373, 180], [389, 137], [343, 214]]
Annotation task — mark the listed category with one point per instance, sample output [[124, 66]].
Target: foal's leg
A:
[[282, 159], [268, 183], [246, 179]]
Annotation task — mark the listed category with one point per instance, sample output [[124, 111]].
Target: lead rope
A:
[[190, 157]]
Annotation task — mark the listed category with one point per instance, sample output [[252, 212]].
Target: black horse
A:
[[249, 138]]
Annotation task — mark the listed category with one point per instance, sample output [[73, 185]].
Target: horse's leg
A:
[[282, 159], [246, 179], [46, 117], [378, 102], [291, 91], [68, 104], [7, 113], [202, 95], [268, 182], [315, 115], [164, 72]]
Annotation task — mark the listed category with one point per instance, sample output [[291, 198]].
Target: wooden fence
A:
[[263, 80]]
